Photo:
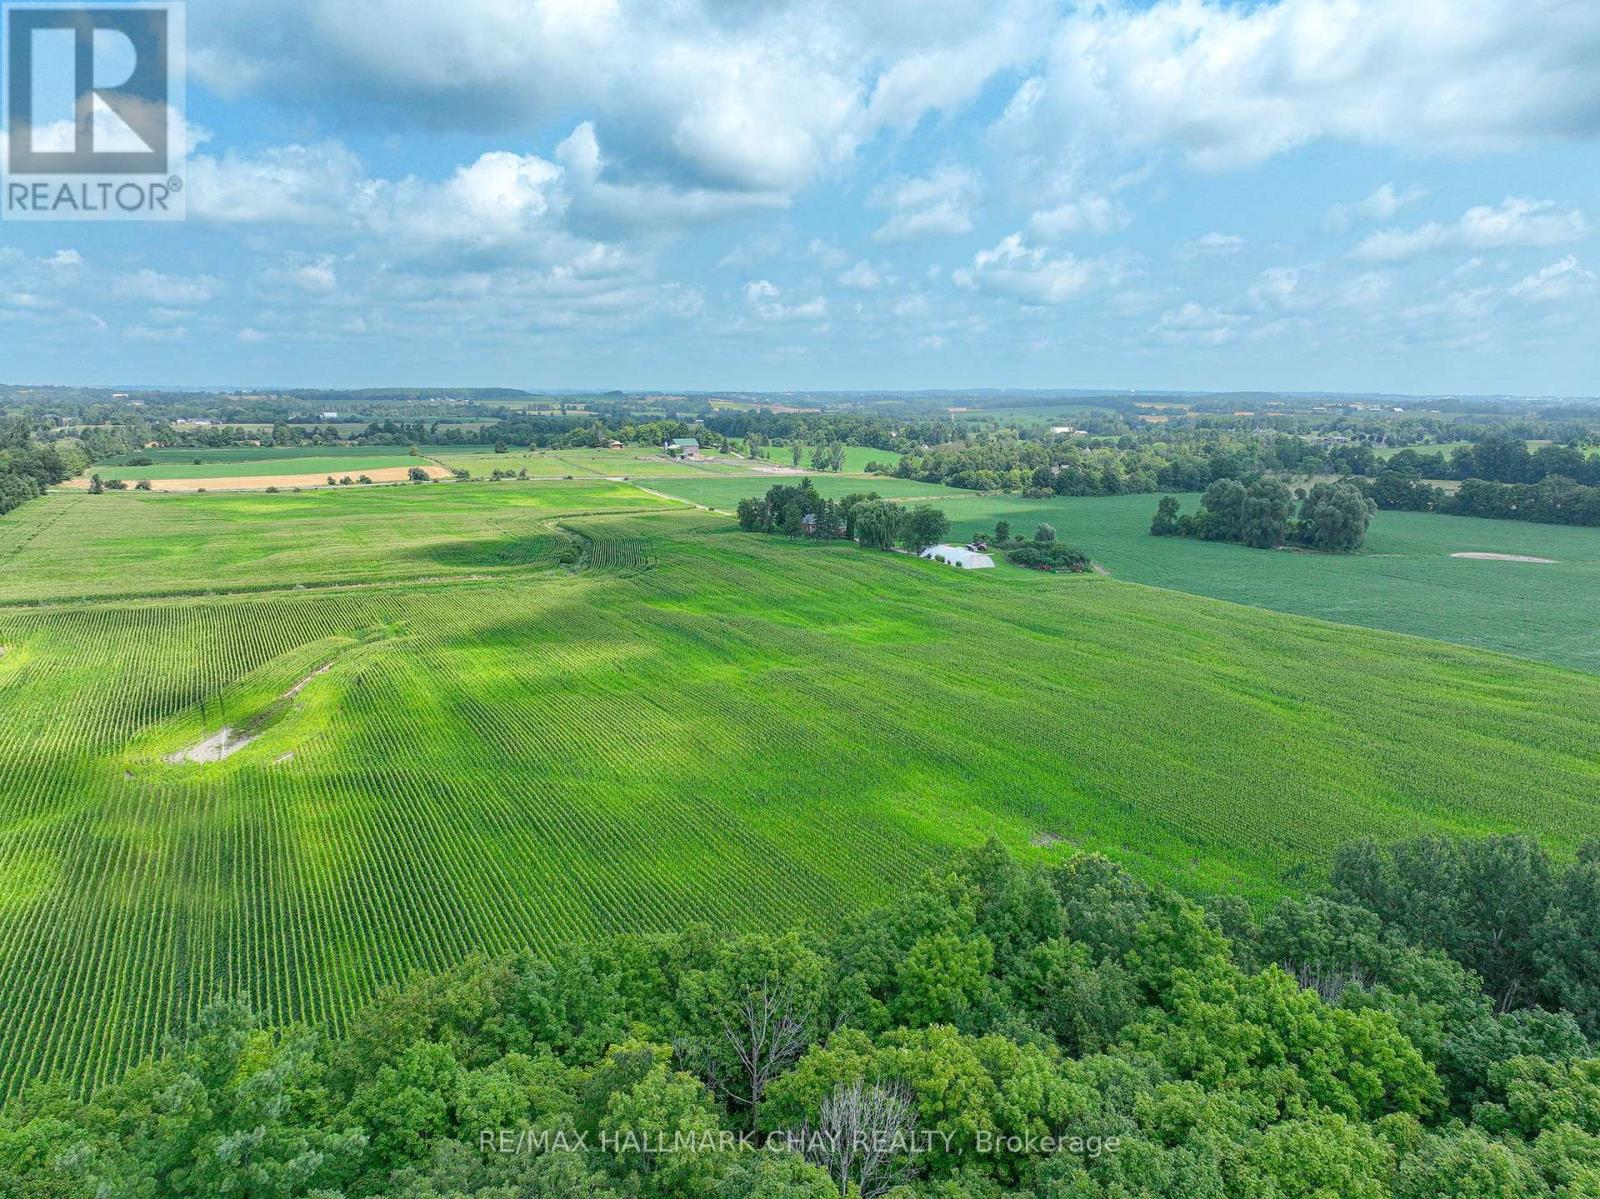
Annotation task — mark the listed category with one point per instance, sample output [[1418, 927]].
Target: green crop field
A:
[[484, 752], [725, 494], [133, 543], [633, 462], [221, 464], [200, 456], [1405, 580]]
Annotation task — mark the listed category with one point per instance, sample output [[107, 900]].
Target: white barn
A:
[[959, 555]]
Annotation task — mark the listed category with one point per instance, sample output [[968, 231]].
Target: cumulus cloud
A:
[[1383, 204], [1031, 273], [745, 97], [1290, 290], [862, 277], [765, 300], [1193, 324], [1514, 222], [1091, 214], [293, 184], [937, 204], [1226, 85]]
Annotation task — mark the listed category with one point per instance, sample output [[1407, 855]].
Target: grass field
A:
[[856, 458], [1405, 580], [703, 724]]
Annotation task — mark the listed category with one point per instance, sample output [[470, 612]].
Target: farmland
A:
[[465, 745], [135, 543], [215, 464], [1405, 580], [633, 462]]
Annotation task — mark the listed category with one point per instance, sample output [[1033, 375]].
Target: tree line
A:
[[1332, 517], [1417, 1029], [27, 466], [865, 517], [1554, 500]]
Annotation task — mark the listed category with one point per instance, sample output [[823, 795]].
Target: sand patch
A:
[[386, 474], [215, 748], [1503, 558]]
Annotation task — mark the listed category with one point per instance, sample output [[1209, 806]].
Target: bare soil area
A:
[[1503, 558], [220, 745]]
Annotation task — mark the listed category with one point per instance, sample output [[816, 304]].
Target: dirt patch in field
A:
[[386, 474], [1046, 840], [220, 745], [301, 685], [778, 470], [1503, 558]]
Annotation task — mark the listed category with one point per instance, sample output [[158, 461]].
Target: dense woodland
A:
[[1419, 1030], [28, 466]]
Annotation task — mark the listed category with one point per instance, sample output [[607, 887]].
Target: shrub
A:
[[1050, 556]]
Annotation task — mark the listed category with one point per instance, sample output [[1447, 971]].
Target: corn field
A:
[[702, 725]]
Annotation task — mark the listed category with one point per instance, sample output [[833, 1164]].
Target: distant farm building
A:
[[683, 447], [963, 556]]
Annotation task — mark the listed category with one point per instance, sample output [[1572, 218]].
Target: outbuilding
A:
[[959, 555]]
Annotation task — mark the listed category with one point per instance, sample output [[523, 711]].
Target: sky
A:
[[1345, 195]]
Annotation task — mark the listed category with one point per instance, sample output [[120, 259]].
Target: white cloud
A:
[[156, 288], [1030, 273], [862, 277], [1383, 204], [1091, 214], [827, 253], [765, 299], [758, 97], [65, 258], [937, 204], [1193, 324], [1227, 85], [172, 333], [1291, 290], [1212, 245], [1560, 281], [294, 184], [605, 207], [1514, 222]]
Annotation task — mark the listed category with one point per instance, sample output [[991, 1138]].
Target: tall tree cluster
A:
[[1332, 517]]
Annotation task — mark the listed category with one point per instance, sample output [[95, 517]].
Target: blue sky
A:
[[1314, 194]]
